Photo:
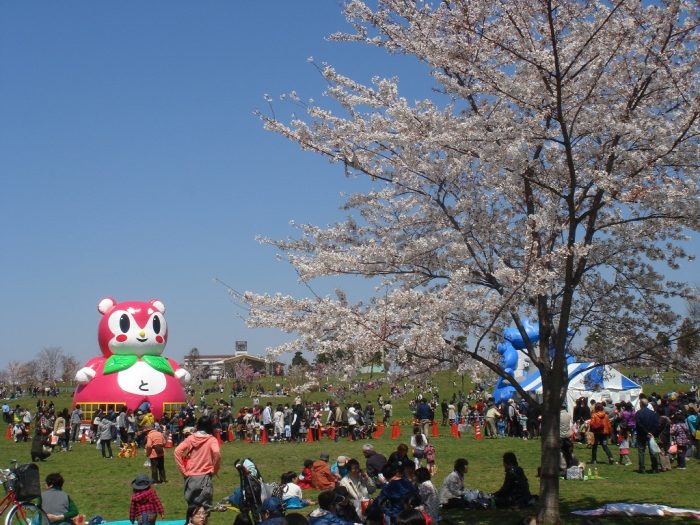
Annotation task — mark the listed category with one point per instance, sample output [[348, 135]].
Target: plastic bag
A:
[[147, 463], [653, 446]]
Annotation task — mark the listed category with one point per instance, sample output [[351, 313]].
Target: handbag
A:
[[653, 446], [673, 449]]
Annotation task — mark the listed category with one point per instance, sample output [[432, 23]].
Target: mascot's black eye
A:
[[156, 324], [124, 323]]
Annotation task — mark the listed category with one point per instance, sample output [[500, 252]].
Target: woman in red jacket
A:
[[601, 428]]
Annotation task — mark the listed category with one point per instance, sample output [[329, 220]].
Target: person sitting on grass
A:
[[452, 492], [326, 513], [200, 516], [516, 489], [59, 507], [272, 511]]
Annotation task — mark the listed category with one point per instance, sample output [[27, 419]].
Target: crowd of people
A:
[[668, 427], [371, 488]]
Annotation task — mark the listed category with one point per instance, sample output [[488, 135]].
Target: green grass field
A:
[[102, 486]]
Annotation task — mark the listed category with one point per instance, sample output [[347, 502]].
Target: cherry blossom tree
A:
[[551, 175]]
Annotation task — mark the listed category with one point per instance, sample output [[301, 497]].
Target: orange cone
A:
[[8, 434], [477, 431], [169, 442], [455, 430], [83, 439], [309, 436], [332, 433], [263, 437], [218, 437], [231, 435], [435, 429], [381, 428], [395, 430]]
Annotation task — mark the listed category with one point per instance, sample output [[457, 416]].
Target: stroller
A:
[[251, 497]]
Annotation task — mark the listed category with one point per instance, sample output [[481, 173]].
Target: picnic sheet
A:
[[639, 509]]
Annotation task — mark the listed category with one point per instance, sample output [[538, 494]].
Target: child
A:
[[501, 426], [625, 451], [145, 503], [304, 481], [428, 494]]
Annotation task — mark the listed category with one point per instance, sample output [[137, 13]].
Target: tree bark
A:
[[549, 448]]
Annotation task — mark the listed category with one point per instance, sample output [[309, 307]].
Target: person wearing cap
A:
[[155, 452], [198, 458], [321, 476], [272, 511], [339, 468], [58, 506], [145, 503]]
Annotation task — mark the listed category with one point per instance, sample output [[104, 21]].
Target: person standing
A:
[[198, 458], [145, 504], [693, 422], [106, 430], [155, 452], [647, 427], [681, 437], [267, 420], [75, 418], [565, 444], [601, 428], [59, 430]]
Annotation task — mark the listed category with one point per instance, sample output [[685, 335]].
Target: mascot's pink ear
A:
[[158, 305], [105, 305]]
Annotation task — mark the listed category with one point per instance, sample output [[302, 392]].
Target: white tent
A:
[[593, 382]]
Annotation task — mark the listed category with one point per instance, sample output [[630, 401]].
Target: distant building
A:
[[259, 364], [214, 364], [218, 364]]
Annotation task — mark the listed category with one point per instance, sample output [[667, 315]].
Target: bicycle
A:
[[19, 512]]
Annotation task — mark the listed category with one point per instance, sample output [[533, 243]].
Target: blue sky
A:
[[133, 167]]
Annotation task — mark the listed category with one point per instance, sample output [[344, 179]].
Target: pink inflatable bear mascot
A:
[[132, 336]]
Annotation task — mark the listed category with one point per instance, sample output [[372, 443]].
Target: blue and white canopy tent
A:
[[599, 382], [585, 379]]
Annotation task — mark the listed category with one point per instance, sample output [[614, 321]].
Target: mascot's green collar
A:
[[117, 363]]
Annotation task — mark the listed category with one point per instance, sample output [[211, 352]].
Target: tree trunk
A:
[[549, 448]]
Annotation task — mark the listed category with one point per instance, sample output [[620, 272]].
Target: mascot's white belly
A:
[[142, 379]]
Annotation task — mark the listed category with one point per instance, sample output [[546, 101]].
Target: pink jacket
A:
[[197, 455]]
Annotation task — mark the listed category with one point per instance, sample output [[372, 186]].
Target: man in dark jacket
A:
[[375, 461], [516, 489], [425, 415], [647, 423]]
